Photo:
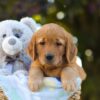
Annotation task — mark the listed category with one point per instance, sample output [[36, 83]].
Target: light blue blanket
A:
[[15, 88]]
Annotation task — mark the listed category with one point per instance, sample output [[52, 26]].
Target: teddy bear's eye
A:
[[4, 35], [17, 35]]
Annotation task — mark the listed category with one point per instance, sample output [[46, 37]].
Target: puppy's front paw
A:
[[68, 78], [69, 85], [35, 84], [76, 95]]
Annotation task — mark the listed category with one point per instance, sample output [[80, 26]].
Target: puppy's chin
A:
[[50, 64], [47, 63]]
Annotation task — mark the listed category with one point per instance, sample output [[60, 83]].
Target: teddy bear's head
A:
[[15, 35]]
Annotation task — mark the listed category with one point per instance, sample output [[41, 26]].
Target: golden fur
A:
[[53, 39]]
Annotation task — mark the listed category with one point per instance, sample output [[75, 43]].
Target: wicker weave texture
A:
[[2, 95]]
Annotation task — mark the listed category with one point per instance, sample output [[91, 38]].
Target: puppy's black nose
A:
[[49, 57]]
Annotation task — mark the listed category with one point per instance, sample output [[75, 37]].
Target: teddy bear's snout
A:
[[12, 41], [12, 45]]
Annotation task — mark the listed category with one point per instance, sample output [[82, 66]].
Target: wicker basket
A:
[[2, 95]]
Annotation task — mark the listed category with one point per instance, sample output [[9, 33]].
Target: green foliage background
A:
[[81, 18]]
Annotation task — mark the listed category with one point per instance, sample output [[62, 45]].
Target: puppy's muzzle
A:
[[49, 57]]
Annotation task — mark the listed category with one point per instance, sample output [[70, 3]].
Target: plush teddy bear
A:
[[14, 38]]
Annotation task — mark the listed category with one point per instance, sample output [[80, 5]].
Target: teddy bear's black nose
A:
[[12, 41]]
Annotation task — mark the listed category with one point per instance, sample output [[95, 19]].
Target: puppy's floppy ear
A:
[[71, 51], [31, 50]]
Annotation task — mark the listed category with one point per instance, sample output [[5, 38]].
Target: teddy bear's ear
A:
[[30, 23]]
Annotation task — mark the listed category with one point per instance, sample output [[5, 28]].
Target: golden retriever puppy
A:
[[54, 54]]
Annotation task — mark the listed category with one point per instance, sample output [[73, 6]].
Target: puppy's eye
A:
[[59, 44], [4, 35], [42, 43]]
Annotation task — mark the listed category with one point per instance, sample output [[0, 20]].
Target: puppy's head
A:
[[52, 45]]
